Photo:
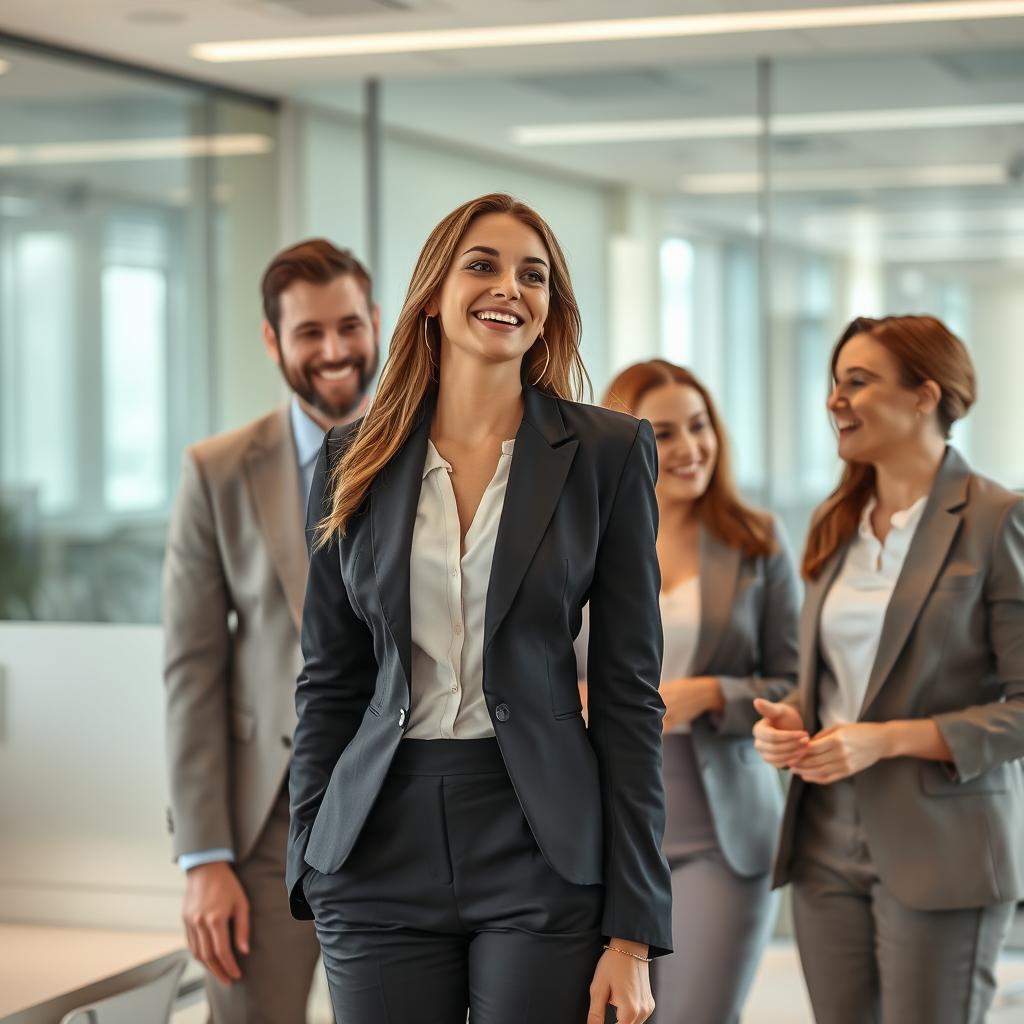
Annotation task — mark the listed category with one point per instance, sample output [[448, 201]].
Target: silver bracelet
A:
[[626, 952]]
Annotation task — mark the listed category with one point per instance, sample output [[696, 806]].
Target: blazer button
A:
[[401, 719], [502, 712]]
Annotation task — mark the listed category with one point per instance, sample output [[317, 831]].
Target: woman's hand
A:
[[623, 981], [779, 737], [842, 751], [687, 699]]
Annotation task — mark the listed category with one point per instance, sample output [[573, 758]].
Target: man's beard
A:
[[303, 383]]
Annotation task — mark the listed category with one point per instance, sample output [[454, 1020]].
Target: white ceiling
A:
[[476, 98], [159, 33]]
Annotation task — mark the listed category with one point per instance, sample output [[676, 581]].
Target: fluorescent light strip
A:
[[826, 123], [113, 150], [616, 30], [843, 179]]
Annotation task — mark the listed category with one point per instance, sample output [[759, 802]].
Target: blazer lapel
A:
[[939, 523], [540, 463], [810, 626], [719, 567], [394, 498], [273, 473]]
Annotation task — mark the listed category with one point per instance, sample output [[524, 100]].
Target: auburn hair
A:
[[720, 508], [926, 350], [552, 365]]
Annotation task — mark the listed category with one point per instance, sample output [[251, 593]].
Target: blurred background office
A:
[[730, 193]]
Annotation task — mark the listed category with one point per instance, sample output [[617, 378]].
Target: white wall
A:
[[83, 838], [997, 420]]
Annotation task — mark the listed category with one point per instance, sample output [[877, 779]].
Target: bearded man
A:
[[233, 585]]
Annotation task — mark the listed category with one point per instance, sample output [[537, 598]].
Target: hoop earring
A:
[[426, 342], [547, 359]]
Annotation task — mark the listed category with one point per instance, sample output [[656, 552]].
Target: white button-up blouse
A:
[[447, 600], [854, 611]]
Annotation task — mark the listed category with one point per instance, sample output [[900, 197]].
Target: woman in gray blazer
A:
[[729, 614], [902, 832]]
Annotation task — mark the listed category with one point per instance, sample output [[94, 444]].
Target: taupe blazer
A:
[[952, 648], [233, 584], [748, 639]]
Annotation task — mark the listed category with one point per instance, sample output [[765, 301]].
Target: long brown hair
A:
[[720, 508], [407, 377], [926, 349]]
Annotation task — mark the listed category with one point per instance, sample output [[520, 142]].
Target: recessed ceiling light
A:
[[845, 179], [820, 123], [108, 150], [613, 30]]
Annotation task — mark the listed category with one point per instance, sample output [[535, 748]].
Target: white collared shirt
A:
[[447, 601], [854, 611]]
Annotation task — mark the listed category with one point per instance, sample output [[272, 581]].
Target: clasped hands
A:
[[830, 755]]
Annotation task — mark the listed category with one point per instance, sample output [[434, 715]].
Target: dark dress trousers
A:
[[578, 523]]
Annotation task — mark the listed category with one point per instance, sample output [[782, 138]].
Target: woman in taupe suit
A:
[[729, 614], [902, 833]]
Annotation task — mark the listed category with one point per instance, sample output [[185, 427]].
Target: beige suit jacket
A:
[[952, 649], [233, 584]]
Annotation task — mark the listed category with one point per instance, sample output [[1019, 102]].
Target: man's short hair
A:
[[317, 261]]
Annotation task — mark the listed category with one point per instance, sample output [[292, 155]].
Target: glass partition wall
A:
[[133, 227]]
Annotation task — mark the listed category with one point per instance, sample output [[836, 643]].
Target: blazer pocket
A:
[[957, 581], [937, 780], [243, 725]]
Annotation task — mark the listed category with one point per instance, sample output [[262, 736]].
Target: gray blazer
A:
[[942, 836], [748, 639], [233, 583]]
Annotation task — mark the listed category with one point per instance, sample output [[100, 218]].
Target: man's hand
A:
[[215, 906], [779, 737], [687, 699], [842, 751], [624, 982]]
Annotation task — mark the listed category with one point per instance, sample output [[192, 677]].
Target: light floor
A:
[[778, 995]]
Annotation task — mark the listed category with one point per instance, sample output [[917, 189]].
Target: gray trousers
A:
[[721, 921], [278, 972], [866, 957], [720, 925]]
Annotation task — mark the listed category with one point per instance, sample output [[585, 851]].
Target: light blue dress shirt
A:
[[309, 436]]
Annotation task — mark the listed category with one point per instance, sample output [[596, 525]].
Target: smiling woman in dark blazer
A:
[[902, 832], [463, 841], [728, 611]]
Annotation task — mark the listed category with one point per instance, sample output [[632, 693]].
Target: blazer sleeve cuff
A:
[[961, 738], [657, 939], [738, 716]]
